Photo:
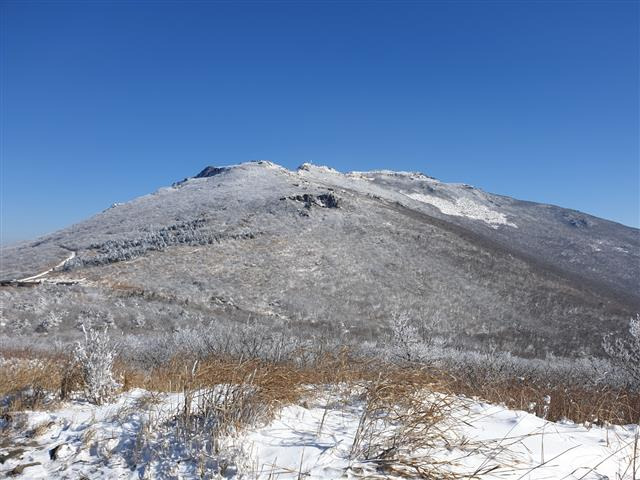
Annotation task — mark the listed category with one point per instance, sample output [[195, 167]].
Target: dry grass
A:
[[401, 417], [31, 380], [285, 383], [579, 404]]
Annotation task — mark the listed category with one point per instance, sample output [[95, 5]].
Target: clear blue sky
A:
[[106, 101]]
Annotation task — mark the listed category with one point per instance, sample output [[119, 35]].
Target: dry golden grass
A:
[[285, 383], [579, 404], [27, 377]]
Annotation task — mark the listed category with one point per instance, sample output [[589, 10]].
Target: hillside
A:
[[333, 254]]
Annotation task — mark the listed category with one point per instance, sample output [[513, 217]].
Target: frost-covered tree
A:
[[625, 352], [95, 356], [405, 341]]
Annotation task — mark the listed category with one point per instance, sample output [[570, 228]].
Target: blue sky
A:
[[103, 102]]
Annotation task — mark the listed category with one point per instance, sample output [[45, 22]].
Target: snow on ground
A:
[[464, 207], [134, 438], [79, 440], [556, 450], [509, 444]]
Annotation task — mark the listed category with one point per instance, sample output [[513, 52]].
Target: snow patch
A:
[[370, 175], [271, 165], [464, 207], [360, 176], [308, 167]]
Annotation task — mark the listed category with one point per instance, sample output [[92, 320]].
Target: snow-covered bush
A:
[[626, 352], [406, 343], [50, 322], [95, 356]]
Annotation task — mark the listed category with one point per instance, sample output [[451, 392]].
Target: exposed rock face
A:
[[211, 172], [323, 200], [314, 247], [575, 219], [328, 200]]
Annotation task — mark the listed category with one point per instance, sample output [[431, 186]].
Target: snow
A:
[[311, 440], [464, 207], [557, 450], [318, 443], [309, 167], [370, 175], [360, 176], [92, 439]]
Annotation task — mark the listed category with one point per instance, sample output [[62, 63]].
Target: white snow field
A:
[[135, 437], [464, 207]]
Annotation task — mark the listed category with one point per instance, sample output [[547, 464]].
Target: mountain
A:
[[317, 250]]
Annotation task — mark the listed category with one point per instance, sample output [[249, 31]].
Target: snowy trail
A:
[[42, 274]]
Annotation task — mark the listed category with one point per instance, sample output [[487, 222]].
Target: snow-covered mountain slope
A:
[[325, 250], [594, 248]]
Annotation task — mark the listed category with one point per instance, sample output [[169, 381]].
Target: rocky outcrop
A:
[[324, 200], [211, 172]]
